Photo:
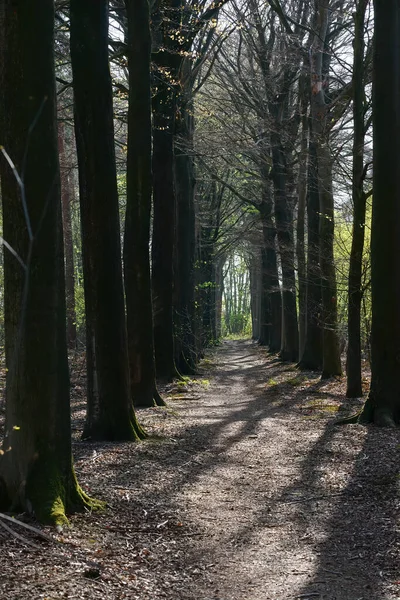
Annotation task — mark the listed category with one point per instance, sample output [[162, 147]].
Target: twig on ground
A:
[[19, 537], [26, 526]]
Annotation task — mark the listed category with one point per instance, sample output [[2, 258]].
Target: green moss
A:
[[320, 404], [183, 382], [207, 362], [140, 433], [51, 494], [204, 382]]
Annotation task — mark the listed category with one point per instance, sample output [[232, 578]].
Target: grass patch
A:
[[272, 382]]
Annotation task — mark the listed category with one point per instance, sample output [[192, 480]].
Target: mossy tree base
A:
[[158, 400], [48, 493], [381, 416]]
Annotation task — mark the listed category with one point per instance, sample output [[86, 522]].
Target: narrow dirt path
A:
[[289, 506], [244, 491]]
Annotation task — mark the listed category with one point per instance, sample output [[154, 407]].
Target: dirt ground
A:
[[244, 491]]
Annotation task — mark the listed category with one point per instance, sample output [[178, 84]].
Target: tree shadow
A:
[[358, 551], [345, 525]]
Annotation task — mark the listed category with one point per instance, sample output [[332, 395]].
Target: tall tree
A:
[[277, 88], [301, 211], [271, 299], [66, 198], [110, 413], [36, 470], [175, 24], [319, 56], [138, 207], [184, 174], [383, 404], [167, 58], [311, 358], [359, 197]]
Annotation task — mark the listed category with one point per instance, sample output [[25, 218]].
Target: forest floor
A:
[[245, 490]]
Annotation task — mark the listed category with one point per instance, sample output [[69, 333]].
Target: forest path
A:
[[288, 506], [244, 490]]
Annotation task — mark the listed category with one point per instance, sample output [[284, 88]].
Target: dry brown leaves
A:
[[244, 491]]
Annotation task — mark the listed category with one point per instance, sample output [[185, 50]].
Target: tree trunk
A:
[[36, 470], [271, 305], [185, 241], [167, 62], [331, 365], [284, 225], [255, 294], [138, 207], [110, 414], [68, 242], [383, 404], [301, 209], [353, 364], [312, 355], [163, 251], [219, 286]]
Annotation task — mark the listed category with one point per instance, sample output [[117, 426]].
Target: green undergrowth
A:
[[272, 382], [318, 404]]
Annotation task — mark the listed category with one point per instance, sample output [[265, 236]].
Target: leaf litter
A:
[[245, 490]]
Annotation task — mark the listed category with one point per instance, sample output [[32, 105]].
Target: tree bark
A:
[[110, 414], [331, 365], [68, 242], [185, 349], [271, 303], [312, 355], [36, 471], [255, 293], [383, 404], [138, 208], [353, 364], [300, 231], [167, 61], [284, 224]]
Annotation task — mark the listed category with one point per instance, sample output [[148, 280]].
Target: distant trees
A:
[[287, 143], [236, 295]]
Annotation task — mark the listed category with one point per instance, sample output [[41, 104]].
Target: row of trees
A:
[[292, 84], [288, 84], [36, 469], [223, 134]]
